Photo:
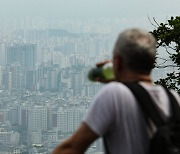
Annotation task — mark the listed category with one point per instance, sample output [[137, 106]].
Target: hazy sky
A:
[[62, 9]]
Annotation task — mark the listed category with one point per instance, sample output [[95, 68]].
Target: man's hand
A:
[[100, 64], [78, 142]]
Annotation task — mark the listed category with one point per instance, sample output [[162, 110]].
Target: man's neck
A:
[[130, 77]]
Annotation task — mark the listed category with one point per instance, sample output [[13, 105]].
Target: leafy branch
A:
[[168, 36]]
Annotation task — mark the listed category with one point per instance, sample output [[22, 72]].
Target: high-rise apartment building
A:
[[12, 114], [1, 76], [52, 117], [8, 80], [2, 53], [15, 68], [11, 138], [30, 79], [77, 79], [37, 118], [24, 54], [69, 119], [35, 137], [12, 77]]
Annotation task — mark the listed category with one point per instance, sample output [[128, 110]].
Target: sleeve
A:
[[101, 113]]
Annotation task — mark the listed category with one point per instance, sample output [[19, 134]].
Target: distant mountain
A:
[[37, 34], [61, 33]]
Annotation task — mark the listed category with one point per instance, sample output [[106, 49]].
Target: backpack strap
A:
[[146, 103], [174, 106], [148, 107], [105, 145]]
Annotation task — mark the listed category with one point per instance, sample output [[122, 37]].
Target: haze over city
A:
[[83, 9]]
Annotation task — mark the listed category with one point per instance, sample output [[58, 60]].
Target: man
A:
[[115, 113]]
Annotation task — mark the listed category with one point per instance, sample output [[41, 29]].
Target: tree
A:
[[168, 37]]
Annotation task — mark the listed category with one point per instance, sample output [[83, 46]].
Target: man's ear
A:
[[118, 62]]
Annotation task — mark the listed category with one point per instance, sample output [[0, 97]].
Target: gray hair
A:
[[138, 50]]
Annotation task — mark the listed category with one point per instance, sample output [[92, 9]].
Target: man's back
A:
[[116, 114]]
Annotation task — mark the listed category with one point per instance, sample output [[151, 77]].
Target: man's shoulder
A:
[[114, 88], [114, 85]]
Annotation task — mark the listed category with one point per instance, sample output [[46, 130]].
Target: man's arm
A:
[[78, 142]]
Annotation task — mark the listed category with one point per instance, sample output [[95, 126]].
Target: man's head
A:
[[137, 50]]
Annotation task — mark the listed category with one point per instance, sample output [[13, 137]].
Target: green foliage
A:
[[168, 36]]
